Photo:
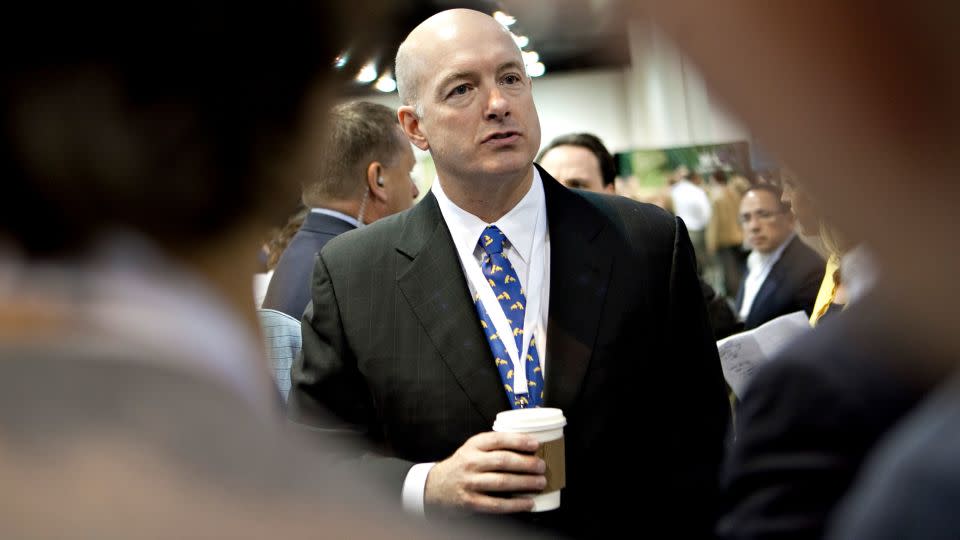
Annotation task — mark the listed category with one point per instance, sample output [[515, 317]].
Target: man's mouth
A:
[[502, 136]]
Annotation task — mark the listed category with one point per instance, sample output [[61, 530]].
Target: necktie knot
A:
[[492, 240]]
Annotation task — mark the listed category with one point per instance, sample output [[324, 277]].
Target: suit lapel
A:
[[579, 277], [432, 281], [770, 285]]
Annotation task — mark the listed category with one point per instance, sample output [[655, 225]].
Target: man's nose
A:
[[498, 107]]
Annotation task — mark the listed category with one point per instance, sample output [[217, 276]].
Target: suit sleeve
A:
[[790, 462], [700, 414], [329, 396]]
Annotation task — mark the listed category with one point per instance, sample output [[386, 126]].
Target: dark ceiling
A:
[[567, 34]]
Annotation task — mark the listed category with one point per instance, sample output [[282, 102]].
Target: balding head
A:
[[468, 100], [451, 26]]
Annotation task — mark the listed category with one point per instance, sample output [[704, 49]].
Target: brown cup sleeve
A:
[[552, 452]]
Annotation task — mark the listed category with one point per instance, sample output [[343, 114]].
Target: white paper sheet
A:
[[741, 354]]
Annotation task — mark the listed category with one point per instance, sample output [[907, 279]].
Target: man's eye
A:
[[460, 90], [511, 79]]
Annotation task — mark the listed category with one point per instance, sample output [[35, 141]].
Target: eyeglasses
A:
[[761, 215]]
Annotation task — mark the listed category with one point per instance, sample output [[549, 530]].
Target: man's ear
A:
[[376, 181], [410, 123]]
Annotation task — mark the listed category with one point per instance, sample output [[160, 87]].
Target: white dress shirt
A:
[[758, 268], [691, 204], [528, 250]]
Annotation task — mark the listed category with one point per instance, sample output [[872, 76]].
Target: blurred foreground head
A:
[[186, 124], [862, 99], [177, 120]]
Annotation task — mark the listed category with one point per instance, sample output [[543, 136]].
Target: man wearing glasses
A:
[[783, 273]]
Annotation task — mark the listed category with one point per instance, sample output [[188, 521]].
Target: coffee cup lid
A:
[[529, 420]]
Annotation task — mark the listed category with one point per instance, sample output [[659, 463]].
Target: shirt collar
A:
[[518, 224], [339, 215], [757, 259], [779, 251]]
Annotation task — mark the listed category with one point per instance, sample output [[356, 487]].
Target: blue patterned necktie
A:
[[502, 279]]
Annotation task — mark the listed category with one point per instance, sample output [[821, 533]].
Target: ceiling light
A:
[[530, 57], [521, 41], [536, 69], [341, 60], [368, 73], [503, 18], [386, 83]]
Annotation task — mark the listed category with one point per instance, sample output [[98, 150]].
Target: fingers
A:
[[507, 461], [493, 440], [505, 482], [486, 465], [479, 502]]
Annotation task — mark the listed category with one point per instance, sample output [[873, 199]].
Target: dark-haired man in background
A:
[[581, 161]]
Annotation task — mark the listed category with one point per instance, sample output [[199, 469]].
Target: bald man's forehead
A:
[[440, 42], [448, 21]]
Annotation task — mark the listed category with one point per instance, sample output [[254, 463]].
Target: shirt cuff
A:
[[414, 488]]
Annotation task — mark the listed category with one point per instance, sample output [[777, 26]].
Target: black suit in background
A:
[[395, 348], [289, 289], [723, 319], [808, 419], [910, 484], [791, 285]]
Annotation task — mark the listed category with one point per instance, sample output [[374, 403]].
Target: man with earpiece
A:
[[365, 176]]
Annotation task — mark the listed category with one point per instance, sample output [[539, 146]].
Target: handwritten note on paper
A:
[[741, 354]]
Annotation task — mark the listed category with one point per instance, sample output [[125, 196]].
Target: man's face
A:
[[765, 224], [478, 113], [575, 167], [398, 182]]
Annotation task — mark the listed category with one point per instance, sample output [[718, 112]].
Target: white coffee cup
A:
[[546, 425]]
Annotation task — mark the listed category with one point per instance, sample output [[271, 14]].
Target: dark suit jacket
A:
[[808, 419], [395, 348], [910, 484], [723, 319], [289, 289], [791, 285]]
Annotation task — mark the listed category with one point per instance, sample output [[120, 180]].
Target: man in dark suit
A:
[[808, 420], [908, 487], [783, 274], [403, 337], [365, 176]]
